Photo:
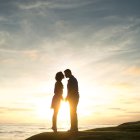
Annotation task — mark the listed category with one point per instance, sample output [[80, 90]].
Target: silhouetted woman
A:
[[58, 91]]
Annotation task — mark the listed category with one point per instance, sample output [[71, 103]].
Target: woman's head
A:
[[59, 76]]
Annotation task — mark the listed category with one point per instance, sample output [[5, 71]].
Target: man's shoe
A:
[[73, 130], [54, 129]]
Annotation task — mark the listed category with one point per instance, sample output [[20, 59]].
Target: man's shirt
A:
[[72, 87]]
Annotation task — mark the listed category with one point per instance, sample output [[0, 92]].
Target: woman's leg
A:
[[54, 119]]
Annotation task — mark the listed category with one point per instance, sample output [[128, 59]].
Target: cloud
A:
[[87, 9], [134, 70], [7, 61], [33, 54], [101, 46], [123, 85], [58, 24], [134, 112], [33, 5], [3, 19], [117, 109], [8, 109], [4, 37], [54, 4]]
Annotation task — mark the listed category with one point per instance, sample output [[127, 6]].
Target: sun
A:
[[64, 110], [64, 115], [44, 112]]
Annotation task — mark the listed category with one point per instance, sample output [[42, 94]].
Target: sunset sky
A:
[[99, 40]]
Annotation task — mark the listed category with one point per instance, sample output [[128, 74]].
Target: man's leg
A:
[[73, 115], [75, 120]]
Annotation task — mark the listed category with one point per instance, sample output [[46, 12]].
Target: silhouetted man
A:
[[72, 98]]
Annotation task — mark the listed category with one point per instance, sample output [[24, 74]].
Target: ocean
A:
[[23, 131]]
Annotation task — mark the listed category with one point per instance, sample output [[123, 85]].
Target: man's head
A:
[[67, 73]]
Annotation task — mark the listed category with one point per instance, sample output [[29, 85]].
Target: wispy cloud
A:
[[123, 85], [8, 109], [33, 5], [118, 109], [53, 4], [3, 19], [134, 70]]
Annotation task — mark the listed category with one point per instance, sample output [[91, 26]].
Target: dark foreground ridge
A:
[[126, 131]]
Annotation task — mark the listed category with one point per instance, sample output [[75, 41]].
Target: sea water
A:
[[24, 131]]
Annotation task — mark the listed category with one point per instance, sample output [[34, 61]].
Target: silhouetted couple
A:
[[72, 97]]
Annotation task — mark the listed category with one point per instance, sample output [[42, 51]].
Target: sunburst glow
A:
[[63, 115]]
